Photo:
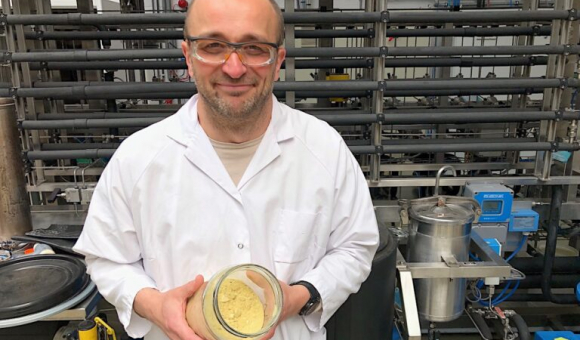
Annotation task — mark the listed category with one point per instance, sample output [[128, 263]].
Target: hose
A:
[[550, 251], [522, 327]]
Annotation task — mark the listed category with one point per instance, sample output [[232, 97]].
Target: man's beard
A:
[[227, 116]]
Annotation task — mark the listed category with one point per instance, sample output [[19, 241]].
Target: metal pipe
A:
[[300, 64], [15, 218], [550, 250], [336, 52], [296, 18], [416, 148]]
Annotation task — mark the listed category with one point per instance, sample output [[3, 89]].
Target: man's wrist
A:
[[144, 299], [299, 296]]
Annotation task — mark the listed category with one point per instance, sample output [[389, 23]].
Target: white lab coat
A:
[[165, 210]]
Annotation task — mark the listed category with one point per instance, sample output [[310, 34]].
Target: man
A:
[[233, 177]]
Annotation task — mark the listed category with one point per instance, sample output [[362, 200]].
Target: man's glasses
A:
[[215, 51]]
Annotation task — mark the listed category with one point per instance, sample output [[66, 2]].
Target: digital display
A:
[[492, 207]]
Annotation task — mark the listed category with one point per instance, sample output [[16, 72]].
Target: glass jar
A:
[[240, 302]]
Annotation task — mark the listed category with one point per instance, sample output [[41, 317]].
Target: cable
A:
[[522, 242], [510, 293]]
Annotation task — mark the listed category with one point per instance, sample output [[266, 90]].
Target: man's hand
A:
[[295, 297], [167, 310]]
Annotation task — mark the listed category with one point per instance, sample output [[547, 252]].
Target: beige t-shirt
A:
[[236, 157]]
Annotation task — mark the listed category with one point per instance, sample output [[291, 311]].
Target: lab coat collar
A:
[[187, 131]]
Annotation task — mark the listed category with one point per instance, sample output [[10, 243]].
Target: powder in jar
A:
[[240, 307]]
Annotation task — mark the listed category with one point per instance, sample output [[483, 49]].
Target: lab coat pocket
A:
[[295, 236]]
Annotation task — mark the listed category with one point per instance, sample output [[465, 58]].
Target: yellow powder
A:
[[240, 307]]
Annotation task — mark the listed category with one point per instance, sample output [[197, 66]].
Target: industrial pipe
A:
[[478, 16], [541, 146], [543, 30], [550, 250], [451, 117], [310, 52], [64, 94], [533, 281], [77, 146], [534, 265], [88, 123], [300, 64], [69, 154], [297, 18], [416, 148], [15, 216], [102, 115], [118, 120]]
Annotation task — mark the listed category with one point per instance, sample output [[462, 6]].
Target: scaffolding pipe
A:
[[300, 64], [310, 52], [15, 216], [420, 148], [391, 17]]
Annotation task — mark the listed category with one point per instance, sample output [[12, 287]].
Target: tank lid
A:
[[450, 213]]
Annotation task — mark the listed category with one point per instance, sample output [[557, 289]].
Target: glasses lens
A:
[[215, 51], [257, 53], [210, 50]]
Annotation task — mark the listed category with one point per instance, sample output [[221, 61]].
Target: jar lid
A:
[[446, 213]]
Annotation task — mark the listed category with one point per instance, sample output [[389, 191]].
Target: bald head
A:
[[274, 12]]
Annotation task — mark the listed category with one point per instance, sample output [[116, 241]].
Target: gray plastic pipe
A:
[[543, 30], [540, 146], [338, 119], [336, 52], [296, 17], [415, 148], [300, 64]]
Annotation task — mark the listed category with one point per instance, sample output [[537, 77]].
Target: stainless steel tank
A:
[[440, 227]]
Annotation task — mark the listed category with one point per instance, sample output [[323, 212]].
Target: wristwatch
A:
[[314, 302]]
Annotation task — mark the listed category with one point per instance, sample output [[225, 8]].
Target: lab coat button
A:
[[240, 246]]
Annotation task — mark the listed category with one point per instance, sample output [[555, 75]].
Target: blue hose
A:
[[522, 242]]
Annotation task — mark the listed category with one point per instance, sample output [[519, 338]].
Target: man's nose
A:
[[233, 66]]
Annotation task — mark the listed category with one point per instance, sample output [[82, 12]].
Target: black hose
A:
[[522, 327], [481, 325], [550, 251]]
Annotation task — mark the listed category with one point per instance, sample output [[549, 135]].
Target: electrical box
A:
[[72, 195], [494, 245], [495, 200], [524, 220]]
